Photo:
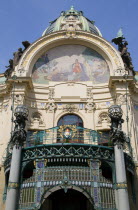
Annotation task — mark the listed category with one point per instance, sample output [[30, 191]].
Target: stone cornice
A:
[[120, 79]]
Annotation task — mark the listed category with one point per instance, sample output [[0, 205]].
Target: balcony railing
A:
[[67, 134]]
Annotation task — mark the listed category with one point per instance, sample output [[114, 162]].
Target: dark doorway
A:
[[71, 200]]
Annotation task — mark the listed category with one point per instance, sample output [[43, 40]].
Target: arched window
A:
[[70, 129], [70, 119]]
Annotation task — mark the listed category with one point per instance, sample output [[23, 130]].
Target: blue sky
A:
[[22, 20]]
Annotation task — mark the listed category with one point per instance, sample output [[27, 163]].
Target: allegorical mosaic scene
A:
[[70, 63]]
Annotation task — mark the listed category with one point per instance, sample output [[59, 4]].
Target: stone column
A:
[[118, 138], [17, 140], [13, 186], [122, 193]]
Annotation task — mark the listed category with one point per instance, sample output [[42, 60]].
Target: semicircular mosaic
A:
[[70, 63]]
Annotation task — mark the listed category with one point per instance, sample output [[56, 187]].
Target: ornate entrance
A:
[[71, 200]]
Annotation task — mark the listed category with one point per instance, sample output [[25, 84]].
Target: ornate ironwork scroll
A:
[[68, 150]]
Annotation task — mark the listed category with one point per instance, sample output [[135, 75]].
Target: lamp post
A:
[[17, 139], [118, 138]]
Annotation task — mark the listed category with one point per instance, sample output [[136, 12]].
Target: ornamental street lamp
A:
[[17, 139], [115, 112], [118, 138], [22, 112]]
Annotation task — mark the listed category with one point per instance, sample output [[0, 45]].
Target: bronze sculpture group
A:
[[122, 47], [16, 57]]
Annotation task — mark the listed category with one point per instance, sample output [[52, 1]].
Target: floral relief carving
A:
[[121, 99], [51, 106], [70, 108], [21, 71], [103, 118], [120, 71], [18, 99], [51, 93], [89, 93], [90, 106]]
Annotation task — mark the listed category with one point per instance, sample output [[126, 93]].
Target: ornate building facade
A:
[[68, 79]]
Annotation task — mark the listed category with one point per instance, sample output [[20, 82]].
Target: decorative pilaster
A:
[[13, 186], [17, 139], [118, 137], [95, 190], [39, 176]]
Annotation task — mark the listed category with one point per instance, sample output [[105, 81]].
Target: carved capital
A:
[[90, 106]]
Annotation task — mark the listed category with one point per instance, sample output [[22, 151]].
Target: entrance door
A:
[[72, 200]]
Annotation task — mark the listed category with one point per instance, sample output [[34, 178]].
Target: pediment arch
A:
[[44, 44]]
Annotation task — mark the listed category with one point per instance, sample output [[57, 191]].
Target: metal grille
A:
[[107, 193], [45, 178]]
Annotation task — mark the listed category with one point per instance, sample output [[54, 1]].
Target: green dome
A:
[[72, 20]]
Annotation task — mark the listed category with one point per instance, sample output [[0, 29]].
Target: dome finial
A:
[[72, 8], [120, 33]]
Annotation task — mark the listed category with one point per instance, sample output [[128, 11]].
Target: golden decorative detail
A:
[[70, 108], [63, 127], [121, 185], [46, 161], [13, 185], [89, 161], [94, 172]]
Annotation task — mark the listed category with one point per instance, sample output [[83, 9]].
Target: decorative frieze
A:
[[21, 72], [103, 118], [70, 108], [121, 99], [89, 93], [120, 71], [51, 93], [103, 105], [51, 107], [18, 99], [90, 106]]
